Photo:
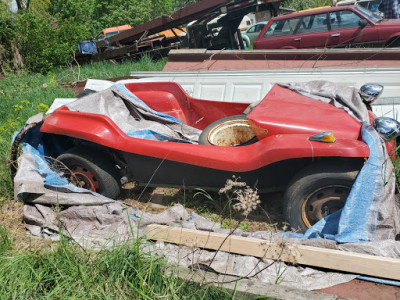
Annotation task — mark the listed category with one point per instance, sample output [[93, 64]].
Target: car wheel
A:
[[90, 170], [230, 131], [317, 191], [394, 43]]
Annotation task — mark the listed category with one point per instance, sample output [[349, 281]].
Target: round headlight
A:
[[370, 92], [388, 128]]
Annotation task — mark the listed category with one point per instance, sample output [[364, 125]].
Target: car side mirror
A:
[[388, 128], [363, 23], [369, 92]]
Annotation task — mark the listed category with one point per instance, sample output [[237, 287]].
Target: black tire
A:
[[91, 170], [238, 126], [317, 191], [394, 43]]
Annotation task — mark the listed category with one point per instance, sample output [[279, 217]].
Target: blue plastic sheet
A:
[[87, 47], [356, 222]]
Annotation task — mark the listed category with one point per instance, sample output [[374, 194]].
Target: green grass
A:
[[23, 95], [65, 271]]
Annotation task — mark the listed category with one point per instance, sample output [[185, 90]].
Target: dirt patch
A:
[[155, 200], [11, 218], [268, 216]]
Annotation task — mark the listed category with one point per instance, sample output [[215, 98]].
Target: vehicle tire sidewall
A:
[[304, 185], [101, 167]]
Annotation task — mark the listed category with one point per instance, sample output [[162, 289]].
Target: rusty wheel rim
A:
[[231, 133], [84, 178], [323, 202]]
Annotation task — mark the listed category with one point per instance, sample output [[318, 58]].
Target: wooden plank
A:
[[280, 250]]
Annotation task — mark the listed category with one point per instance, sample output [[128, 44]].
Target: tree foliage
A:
[[305, 4], [45, 33], [96, 15], [45, 43], [132, 12]]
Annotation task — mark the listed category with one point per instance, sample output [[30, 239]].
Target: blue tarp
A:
[[87, 47], [356, 222]]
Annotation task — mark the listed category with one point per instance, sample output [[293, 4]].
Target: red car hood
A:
[[284, 111], [390, 22]]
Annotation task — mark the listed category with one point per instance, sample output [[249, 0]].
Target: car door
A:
[[279, 35], [313, 31], [346, 30]]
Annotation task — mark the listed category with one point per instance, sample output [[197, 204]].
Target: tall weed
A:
[[5, 240], [67, 271]]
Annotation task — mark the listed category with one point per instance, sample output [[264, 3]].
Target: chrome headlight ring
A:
[[387, 128]]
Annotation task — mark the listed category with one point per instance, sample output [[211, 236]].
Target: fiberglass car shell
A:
[[329, 27], [283, 122]]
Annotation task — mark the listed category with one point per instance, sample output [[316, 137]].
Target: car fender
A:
[[247, 39], [102, 130]]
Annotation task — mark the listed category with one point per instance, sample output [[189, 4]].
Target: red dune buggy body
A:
[[283, 123]]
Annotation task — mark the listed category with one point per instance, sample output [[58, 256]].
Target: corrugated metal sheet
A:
[[210, 60]]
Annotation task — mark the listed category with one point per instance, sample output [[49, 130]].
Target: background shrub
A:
[[46, 42]]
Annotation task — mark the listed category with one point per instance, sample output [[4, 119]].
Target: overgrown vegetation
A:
[[305, 4], [24, 94], [45, 34], [64, 270]]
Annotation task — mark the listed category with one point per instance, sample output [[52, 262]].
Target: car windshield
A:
[[369, 14]]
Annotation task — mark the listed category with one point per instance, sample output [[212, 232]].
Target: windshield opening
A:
[[374, 17]]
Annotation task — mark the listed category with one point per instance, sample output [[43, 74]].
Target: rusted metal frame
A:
[[132, 50], [173, 31], [176, 19], [121, 51], [162, 52], [180, 29], [239, 34], [145, 33], [230, 23]]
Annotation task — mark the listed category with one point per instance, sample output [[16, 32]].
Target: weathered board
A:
[[364, 264]]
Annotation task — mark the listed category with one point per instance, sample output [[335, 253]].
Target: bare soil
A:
[[268, 216], [11, 218], [156, 200]]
